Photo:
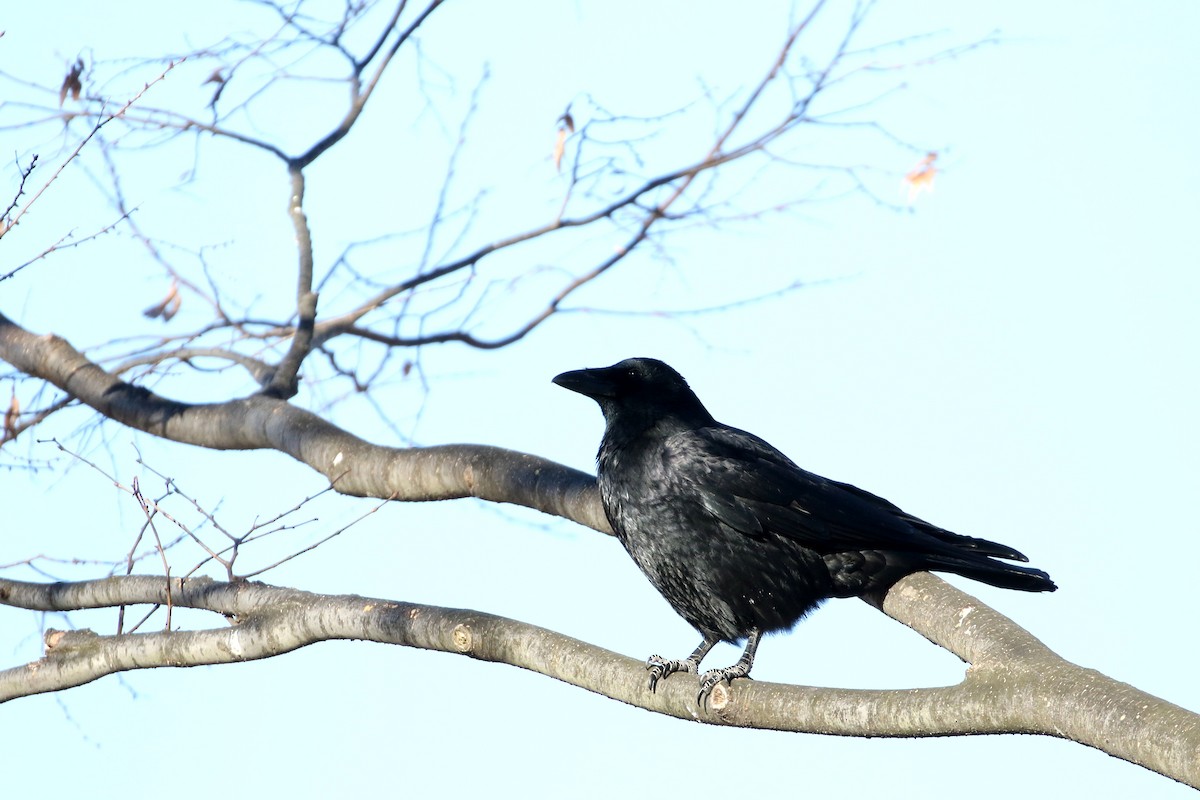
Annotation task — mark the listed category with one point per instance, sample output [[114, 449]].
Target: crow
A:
[[737, 538]]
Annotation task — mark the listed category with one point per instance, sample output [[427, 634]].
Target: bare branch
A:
[[284, 381], [96, 128], [24, 172], [1014, 684], [261, 422], [359, 101]]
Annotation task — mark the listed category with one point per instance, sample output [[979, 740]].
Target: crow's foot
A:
[[660, 667], [710, 679]]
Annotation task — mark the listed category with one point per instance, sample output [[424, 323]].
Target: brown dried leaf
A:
[[920, 178], [168, 307], [566, 126], [71, 84], [172, 307], [560, 147], [216, 77], [11, 416]]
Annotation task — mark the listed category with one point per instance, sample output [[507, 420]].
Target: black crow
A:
[[738, 539]]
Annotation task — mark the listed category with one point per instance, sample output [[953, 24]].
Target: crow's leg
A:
[[660, 667], [739, 670]]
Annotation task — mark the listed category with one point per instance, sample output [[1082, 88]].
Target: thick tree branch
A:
[[353, 466], [1014, 684]]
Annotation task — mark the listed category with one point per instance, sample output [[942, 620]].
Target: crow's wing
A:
[[753, 488]]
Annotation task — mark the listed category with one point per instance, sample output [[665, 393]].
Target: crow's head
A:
[[644, 388]]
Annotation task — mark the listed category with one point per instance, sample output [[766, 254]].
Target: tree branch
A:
[[1014, 684], [353, 466], [359, 100], [286, 376]]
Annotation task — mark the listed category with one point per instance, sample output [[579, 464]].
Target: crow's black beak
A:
[[588, 382]]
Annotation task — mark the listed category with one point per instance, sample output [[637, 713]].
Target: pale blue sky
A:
[[1016, 359]]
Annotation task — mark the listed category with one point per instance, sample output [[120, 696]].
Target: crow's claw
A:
[[710, 679], [660, 667]]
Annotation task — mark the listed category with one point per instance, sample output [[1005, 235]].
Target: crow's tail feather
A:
[[972, 544], [993, 573]]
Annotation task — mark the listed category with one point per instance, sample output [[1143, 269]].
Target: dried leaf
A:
[[168, 307], [11, 416], [219, 80], [566, 126], [71, 84], [920, 178], [560, 147], [172, 308]]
